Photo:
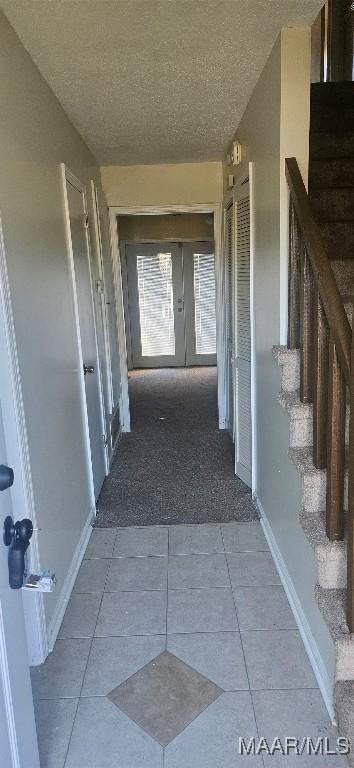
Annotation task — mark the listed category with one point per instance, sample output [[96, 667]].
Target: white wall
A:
[[162, 185], [35, 136], [276, 125]]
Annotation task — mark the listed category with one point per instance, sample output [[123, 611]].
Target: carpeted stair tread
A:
[[338, 237], [332, 204], [332, 604], [344, 707], [329, 144], [331, 172]]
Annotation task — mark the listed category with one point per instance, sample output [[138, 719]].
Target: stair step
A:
[[335, 204], [331, 144], [343, 270], [338, 237], [300, 419], [332, 604], [331, 102], [314, 481], [331, 555], [344, 709], [335, 172], [289, 362]]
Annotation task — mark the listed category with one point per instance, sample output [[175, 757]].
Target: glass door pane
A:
[[155, 287], [156, 304], [204, 303], [199, 294]]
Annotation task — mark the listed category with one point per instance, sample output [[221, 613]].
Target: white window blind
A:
[[156, 304], [204, 303]]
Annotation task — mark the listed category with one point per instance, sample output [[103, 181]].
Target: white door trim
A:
[[67, 175], [124, 409], [35, 622], [33, 606], [253, 327], [148, 210], [99, 252]]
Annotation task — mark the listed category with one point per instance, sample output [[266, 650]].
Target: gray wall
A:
[[276, 125], [35, 136]]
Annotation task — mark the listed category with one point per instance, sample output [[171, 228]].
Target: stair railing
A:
[[319, 327]]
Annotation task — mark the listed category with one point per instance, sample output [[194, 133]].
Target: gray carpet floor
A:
[[175, 466]]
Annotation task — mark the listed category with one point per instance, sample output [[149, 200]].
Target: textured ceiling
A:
[[153, 81]]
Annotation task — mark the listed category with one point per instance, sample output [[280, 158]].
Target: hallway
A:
[[176, 642], [175, 466]]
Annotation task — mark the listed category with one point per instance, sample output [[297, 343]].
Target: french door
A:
[[171, 304]]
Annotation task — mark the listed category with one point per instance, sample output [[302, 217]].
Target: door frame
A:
[[227, 203], [33, 604], [100, 269], [67, 176], [148, 210], [249, 174]]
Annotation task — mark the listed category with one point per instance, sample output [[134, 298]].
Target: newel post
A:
[[350, 525]]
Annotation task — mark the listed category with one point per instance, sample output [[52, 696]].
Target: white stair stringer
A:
[[330, 556]]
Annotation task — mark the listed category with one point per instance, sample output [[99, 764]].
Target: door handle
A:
[[88, 369], [17, 537], [6, 477]]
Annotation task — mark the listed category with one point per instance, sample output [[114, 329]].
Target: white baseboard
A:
[[66, 590], [325, 684]]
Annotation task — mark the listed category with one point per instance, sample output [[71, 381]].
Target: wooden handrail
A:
[[322, 271]]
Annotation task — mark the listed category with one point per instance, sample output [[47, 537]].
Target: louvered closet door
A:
[[242, 360], [199, 303], [155, 284], [229, 307]]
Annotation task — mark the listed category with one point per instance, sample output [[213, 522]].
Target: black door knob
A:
[[6, 477]]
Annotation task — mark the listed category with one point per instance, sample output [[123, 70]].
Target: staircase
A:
[[316, 373], [331, 178]]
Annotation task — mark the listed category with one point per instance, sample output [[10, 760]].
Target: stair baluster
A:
[[294, 280], [320, 383], [350, 519], [306, 328], [336, 447]]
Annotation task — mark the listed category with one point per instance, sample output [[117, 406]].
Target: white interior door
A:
[[242, 328], [18, 738], [156, 304], [81, 274], [199, 301]]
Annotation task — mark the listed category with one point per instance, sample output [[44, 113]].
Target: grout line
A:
[[175, 525], [229, 690], [245, 663], [182, 554], [86, 665], [178, 632]]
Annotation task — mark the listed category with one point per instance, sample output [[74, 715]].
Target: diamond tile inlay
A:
[[164, 696]]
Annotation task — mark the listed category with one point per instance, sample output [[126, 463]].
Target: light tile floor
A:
[[210, 596]]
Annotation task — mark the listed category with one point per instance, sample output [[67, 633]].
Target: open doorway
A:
[[169, 296], [170, 304], [176, 465]]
